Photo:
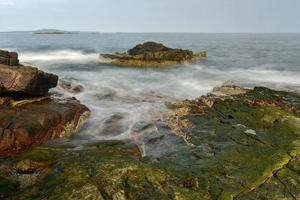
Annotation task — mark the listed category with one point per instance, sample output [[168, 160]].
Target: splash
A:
[[59, 56]]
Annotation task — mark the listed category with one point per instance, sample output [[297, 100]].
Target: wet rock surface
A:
[[34, 121], [242, 146], [25, 79], [28, 114], [151, 54]]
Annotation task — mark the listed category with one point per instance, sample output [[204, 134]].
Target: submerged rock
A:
[[150, 54], [71, 87]]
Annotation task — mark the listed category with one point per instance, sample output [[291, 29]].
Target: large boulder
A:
[[29, 122], [150, 54], [23, 79]]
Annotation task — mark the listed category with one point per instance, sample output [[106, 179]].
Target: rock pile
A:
[[28, 114]]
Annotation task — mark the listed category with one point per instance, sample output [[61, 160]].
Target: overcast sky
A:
[[152, 15]]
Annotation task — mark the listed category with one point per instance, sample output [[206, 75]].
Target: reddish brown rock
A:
[[33, 121], [28, 80]]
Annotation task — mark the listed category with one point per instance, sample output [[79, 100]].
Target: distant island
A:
[[52, 32]]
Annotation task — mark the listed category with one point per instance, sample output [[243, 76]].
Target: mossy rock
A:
[[7, 186], [241, 147]]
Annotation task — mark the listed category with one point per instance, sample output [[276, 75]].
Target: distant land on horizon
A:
[[59, 31]]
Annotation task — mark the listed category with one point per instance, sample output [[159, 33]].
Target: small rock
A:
[[250, 131], [70, 87]]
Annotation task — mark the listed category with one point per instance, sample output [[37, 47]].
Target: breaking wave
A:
[[59, 56]]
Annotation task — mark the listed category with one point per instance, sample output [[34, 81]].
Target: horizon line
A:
[[148, 32]]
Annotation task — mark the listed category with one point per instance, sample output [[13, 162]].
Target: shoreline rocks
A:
[[151, 54], [242, 144], [30, 116]]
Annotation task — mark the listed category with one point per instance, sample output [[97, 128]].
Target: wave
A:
[[65, 55]]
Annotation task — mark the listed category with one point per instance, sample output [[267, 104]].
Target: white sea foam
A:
[[65, 55]]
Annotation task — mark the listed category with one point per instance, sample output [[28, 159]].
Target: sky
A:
[[217, 16]]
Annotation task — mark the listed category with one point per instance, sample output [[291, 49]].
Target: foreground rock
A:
[[33, 121], [151, 54], [241, 146], [27, 120]]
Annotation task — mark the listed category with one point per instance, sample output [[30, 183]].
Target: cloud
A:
[[7, 3]]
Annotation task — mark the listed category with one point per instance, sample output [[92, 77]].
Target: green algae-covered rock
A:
[[239, 143], [103, 171], [151, 54], [242, 146], [7, 186]]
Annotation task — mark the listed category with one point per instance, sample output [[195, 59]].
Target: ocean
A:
[[123, 100]]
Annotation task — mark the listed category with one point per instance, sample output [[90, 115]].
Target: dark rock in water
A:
[[114, 125], [28, 80], [9, 58], [150, 54], [147, 47], [33, 121]]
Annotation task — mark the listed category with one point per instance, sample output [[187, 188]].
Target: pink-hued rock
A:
[[25, 79]]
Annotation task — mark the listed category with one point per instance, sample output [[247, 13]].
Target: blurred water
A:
[[128, 102]]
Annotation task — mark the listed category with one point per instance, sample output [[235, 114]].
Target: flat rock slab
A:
[[32, 122], [28, 80]]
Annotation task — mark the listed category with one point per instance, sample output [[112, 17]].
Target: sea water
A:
[[127, 103]]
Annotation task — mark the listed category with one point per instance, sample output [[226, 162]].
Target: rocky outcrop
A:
[[9, 58], [25, 79], [28, 114], [151, 54], [29, 122]]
